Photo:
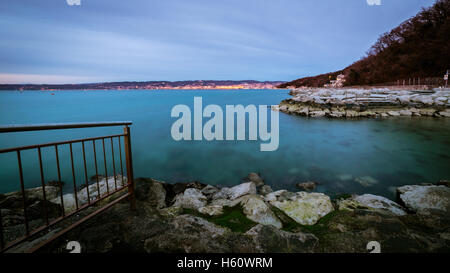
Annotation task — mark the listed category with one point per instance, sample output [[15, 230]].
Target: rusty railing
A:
[[129, 185]]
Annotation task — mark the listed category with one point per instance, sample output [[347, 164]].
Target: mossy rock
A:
[[232, 218]]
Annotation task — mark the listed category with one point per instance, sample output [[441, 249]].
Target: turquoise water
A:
[[344, 156]]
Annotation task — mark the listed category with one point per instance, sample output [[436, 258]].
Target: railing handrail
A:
[[55, 126]]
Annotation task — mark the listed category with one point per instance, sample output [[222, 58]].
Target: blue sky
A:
[[105, 40]]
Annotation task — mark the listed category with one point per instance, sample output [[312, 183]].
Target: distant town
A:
[[147, 85]]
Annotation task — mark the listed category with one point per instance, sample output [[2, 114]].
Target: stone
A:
[[366, 181], [269, 239], [258, 211], [305, 208], [370, 201], [307, 186], [236, 191], [211, 210], [255, 178], [417, 197], [171, 211], [191, 198], [393, 113], [265, 189], [405, 113], [152, 191], [209, 190]]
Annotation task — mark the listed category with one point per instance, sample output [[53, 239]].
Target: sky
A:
[[148, 40]]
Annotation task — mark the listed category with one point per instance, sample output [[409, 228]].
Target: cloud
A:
[[374, 2], [15, 78]]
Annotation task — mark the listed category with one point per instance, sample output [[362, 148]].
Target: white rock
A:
[[381, 203], [393, 113], [405, 113], [258, 211], [305, 208], [242, 189], [417, 198], [211, 210], [190, 199]]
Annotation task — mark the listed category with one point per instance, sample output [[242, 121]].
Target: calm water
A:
[[344, 156]]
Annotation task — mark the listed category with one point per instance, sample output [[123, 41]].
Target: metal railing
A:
[[79, 206]]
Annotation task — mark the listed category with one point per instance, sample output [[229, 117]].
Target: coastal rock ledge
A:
[[196, 218], [352, 103]]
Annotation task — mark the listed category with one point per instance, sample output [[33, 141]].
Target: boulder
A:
[[211, 210], [307, 186], [265, 189], [305, 208], [236, 191], [269, 239], [374, 202], [417, 197], [152, 191], [191, 198], [258, 211], [255, 178]]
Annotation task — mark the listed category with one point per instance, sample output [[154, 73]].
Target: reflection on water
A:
[[344, 156]]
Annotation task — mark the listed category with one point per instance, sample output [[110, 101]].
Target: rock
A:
[[369, 201], [405, 113], [209, 190], [393, 113], [255, 178], [151, 191], [306, 186], [305, 208], [265, 189], [417, 198], [211, 210], [445, 114], [268, 239], [189, 234], [236, 191], [191, 199], [36, 210], [14, 200], [258, 211], [171, 211]]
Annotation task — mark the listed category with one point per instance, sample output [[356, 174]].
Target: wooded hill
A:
[[419, 47]]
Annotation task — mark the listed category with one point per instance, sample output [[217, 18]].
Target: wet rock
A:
[[307, 186], [255, 178], [171, 211], [265, 189], [269, 239], [209, 190], [236, 191], [374, 202], [417, 197], [191, 199], [366, 181], [258, 211], [305, 208], [151, 191], [211, 210]]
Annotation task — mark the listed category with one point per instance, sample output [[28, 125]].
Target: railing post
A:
[[129, 163]]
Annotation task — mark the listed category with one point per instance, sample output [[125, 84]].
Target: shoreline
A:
[[250, 217], [367, 103]]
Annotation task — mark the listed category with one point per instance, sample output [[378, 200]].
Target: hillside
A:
[[419, 47]]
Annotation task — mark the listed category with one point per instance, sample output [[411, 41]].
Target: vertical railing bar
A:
[[73, 177], [59, 181], [120, 155], [114, 163], [22, 189], [106, 169], [85, 173], [43, 186], [96, 169], [129, 161]]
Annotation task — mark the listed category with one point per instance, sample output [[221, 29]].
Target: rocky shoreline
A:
[[250, 217], [351, 103]]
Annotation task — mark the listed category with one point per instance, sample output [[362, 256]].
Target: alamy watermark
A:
[[235, 128], [73, 2], [374, 2]]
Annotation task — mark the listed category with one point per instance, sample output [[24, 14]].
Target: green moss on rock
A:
[[232, 218]]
